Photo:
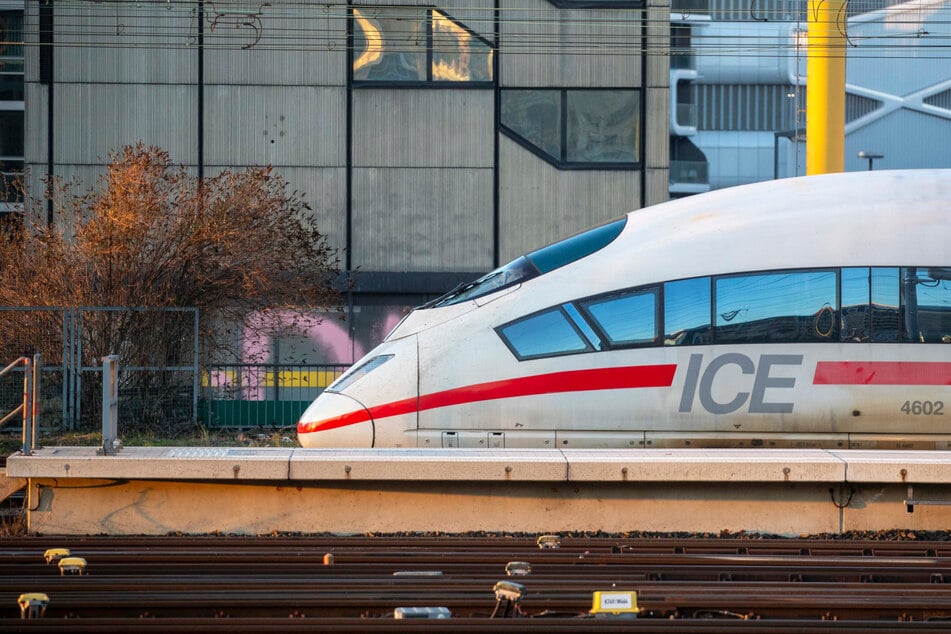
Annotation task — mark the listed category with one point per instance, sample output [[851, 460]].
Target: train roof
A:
[[883, 218]]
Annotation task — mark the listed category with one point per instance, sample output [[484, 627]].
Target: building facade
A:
[[434, 142], [739, 87]]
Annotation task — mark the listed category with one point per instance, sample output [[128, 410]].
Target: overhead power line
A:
[[923, 32]]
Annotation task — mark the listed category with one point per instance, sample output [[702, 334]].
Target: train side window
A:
[[887, 314], [687, 312], [787, 306], [928, 302], [628, 319], [584, 326], [854, 319], [545, 334]]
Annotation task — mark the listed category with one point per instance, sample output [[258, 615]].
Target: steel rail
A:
[[452, 626], [163, 579]]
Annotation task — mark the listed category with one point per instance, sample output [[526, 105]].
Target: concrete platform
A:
[[154, 490], [8, 485]]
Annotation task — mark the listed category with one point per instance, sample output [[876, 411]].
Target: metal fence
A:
[[28, 331], [161, 384], [157, 349], [262, 395]]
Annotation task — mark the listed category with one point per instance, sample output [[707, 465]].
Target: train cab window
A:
[[537, 262], [628, 319], [545, 334], [772, 307], [513, 273], [593, 338], [577, 246], [927, 303], [687, 312]]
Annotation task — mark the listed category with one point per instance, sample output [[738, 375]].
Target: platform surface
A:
[[533, 465], [248, 490]]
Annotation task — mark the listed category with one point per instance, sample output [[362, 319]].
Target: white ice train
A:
[[806, 312]]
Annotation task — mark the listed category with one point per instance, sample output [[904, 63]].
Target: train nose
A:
[[336, 420]]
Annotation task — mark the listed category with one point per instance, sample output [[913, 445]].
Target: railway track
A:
[[340, 584]]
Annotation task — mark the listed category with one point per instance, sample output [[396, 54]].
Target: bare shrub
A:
[[151, 235]]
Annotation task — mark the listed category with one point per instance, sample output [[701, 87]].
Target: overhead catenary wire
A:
[[540, 30]]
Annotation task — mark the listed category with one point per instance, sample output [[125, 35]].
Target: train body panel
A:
[[801, 313]]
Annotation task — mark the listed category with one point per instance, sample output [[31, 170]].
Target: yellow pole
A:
[[825, 87]]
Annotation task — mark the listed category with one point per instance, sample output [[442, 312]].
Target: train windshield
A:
[[535, 263]]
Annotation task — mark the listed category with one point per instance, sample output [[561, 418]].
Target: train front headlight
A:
[[335, 421], [357, 372]]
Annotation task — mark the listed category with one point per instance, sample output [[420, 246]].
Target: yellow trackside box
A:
[[615, 603]]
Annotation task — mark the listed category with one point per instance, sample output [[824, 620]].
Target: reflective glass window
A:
[[687, 312], [544, 334], [535, 116], [11, 175], [389, 44], [627, 319], [458, 55], [887, 318], [575, 128], [854, 318], [602, 126], [416, 44], [11, 134], [785, 306], [354, 374], [541, 261], [577, 246], [928, 301], [11, 55], [518, 270], [582, 324]]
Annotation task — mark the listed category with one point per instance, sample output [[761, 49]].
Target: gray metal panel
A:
[[543, 46], [324, 189], [657, 146], [912, 60], [88, 174], [35, 186], [277, 43], [34, 122], [908, 139], [422, 219], [31, 36], [540, 204], [657, 189], [423, 128], [92, 120], [658, 43], [283, 125], [130, 42]]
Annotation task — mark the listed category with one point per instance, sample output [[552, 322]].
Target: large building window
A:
[[11, 108], [575, 128], [416, 45]]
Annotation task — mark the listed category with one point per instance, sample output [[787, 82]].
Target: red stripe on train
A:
[[554, 383], [882, 373]]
